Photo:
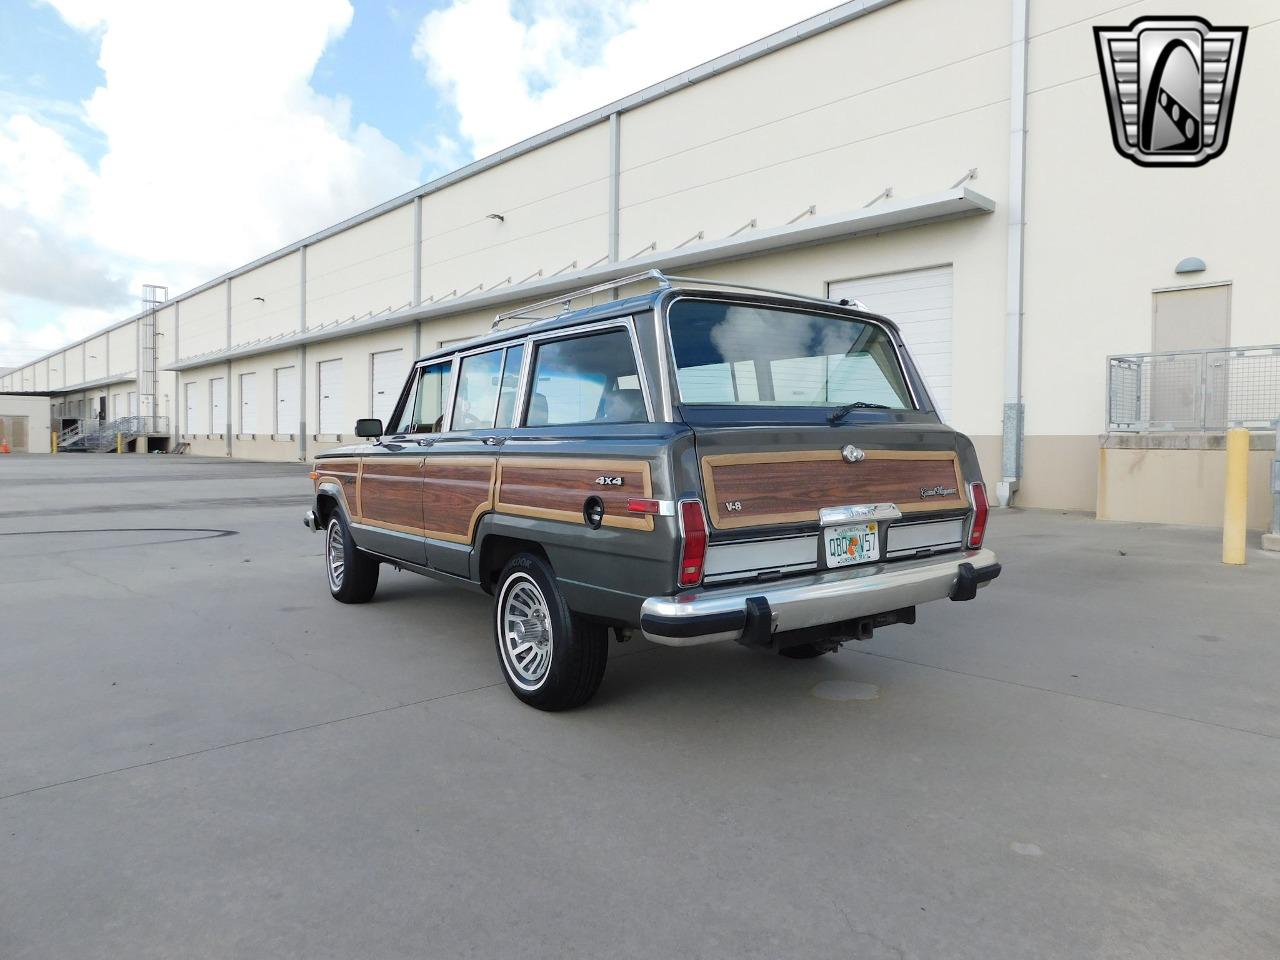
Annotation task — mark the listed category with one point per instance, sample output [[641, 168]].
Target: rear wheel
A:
[[353, 574], [551, 658]]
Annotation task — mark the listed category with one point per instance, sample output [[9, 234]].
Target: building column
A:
[[302, 354], [227, 378]]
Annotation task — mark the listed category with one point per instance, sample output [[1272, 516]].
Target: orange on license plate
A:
[[850, 544]]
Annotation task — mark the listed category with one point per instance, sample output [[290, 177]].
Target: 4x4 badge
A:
[[1170, 84]]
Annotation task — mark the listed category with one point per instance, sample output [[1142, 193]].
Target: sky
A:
[[168, 141]]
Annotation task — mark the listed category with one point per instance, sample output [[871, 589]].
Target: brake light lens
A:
[[693, 543], [978, 528], [640, 505]]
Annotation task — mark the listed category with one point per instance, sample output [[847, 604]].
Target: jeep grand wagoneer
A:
[[699, 463]]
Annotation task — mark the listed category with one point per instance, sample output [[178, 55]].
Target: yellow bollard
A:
[[53, 441], [120, 448], [1237, 498]]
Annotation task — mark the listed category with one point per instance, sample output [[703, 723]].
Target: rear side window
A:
[[477, 391], [589, 379], [424, 410]]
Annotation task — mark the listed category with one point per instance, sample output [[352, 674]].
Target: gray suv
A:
[[698, 463]]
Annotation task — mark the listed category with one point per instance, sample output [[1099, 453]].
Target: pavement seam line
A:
[[1066, 693], [247, 740]]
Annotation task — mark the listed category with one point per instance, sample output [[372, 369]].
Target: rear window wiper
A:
[[839, 413]]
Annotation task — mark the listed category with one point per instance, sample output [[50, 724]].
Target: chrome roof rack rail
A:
[[746, 286], [529, 313], [563, 300]]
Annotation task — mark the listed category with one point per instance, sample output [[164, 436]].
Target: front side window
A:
[[424, 409], [737, 354], [477, 391], [588, 379]]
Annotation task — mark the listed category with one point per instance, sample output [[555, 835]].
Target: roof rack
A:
[[529, 313]]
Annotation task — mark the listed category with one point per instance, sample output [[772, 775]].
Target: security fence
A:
[[1194, 390]]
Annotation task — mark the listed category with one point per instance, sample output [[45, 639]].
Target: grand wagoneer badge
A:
[[939, 491]]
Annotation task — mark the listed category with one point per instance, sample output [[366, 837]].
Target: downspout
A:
[[1011, 446]]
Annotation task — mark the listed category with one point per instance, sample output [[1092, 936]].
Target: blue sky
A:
[[167, 141]]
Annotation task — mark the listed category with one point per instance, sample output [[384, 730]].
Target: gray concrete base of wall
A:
[[1271, 541]]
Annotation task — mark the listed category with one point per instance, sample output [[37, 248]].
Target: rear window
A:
[[737, 354]]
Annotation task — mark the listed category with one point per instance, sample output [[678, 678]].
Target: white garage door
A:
[[217, 404], [388, 377], [195, 418], [329, 383], [248, 403], [919, 302], [287, 418]]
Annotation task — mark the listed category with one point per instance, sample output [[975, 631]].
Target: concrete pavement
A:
[[202, 755]]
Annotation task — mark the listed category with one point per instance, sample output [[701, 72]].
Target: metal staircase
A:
[[99, 436]]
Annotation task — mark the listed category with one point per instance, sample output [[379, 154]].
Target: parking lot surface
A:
[[203, 755]]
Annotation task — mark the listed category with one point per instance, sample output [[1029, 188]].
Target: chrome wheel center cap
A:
[[530, 630]]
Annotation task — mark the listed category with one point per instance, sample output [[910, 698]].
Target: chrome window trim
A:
[[666, 302], [626, 323], [526, 368]]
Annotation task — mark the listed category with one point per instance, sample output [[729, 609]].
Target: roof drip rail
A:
[[528, 312]]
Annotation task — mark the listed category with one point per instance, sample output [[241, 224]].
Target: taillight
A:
[[693, 543], [643, 505], [978, 528]]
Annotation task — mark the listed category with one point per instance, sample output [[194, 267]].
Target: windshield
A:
[[765, 356]]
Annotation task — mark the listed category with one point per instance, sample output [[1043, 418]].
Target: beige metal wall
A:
[[366, 269], [555, 205], [265, 301], [910, 97], [1103, 234]]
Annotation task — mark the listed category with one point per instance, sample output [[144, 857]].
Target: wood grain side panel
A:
[[791, 487], [346, 473], [555, 488], [455, 492], [391, 493]]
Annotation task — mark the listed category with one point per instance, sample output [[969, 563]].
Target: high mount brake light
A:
[[693, 543], [978, 528]]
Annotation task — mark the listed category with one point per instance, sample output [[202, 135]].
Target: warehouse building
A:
[[950, 165]]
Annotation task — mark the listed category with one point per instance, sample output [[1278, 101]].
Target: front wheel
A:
[[353, 574], [551, 658]]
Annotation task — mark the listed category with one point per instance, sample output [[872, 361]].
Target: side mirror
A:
[[368, 428]]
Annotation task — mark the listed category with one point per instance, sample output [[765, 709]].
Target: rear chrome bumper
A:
[[751, 611]]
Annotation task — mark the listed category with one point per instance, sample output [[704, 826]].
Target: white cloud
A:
[[511, 76], [218, 150]]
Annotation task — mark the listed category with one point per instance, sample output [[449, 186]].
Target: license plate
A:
[[854, 543]]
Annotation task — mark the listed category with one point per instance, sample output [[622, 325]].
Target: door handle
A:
[[495, 441], [426, 441]]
